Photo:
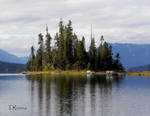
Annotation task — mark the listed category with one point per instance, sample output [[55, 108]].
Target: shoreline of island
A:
[[65, 72], [84, 72]]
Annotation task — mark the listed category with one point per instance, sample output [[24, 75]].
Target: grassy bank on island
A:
[[83, 72], [66, 72]]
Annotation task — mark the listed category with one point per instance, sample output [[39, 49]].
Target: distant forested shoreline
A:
[[6, 67], [69, 53]]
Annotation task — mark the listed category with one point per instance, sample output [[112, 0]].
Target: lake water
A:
[[45, 95]]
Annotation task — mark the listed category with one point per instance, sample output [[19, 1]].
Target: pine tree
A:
[[117, 64], [56, 39], [48, 59], [60, 43], [31, 62], [81, 55], [85, 53], [92, 55], [55, 58], [106, 57], [74, 47], [40, 54], [32, 58], [68, 51], [105, 60]]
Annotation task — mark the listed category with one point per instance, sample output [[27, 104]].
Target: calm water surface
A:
[[45, 95]]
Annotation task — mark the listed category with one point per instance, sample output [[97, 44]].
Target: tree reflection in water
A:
[[61, 95]]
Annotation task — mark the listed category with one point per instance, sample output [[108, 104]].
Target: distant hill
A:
[[11, 67], [140, 68], [133, 55], [7, 57]]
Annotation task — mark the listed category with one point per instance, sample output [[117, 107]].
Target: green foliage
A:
[[81, 53], [92, 54], [60, 46], [40, 54], [68, 43], [105, 60], [31, 62], [117, 64], [48, 57], [68, 52], [74, 47]]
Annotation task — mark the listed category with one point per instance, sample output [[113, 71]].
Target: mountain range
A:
[[140, 68], [10, 58], [132, 55]]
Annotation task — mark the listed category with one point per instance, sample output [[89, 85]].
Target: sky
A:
[[119, 21]]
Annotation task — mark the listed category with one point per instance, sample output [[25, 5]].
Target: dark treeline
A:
[[69, 53]]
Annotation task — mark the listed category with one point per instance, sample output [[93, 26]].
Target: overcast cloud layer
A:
[[121, 21]]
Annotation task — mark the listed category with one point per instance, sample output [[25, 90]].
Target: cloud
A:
[[118, 20]]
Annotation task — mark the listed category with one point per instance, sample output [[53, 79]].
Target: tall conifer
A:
[[48, 59]]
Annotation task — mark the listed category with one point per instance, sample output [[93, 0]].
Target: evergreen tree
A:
[[40, 54], [105, 60], [48, 59], [74, 47], [55, 58], [68, 51], [81, 54], [31, 62], [60, 43], [56, 39], [85, 53], [92, 55], [117, 64], [106, 57], [32, 58]]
